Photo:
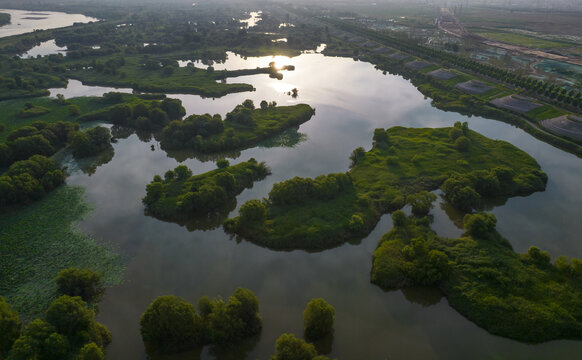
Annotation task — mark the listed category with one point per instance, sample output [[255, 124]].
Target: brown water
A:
[[351, 99]]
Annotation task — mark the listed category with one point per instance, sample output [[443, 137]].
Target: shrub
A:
[[463, 143], [253, 211], [480, 225], [81, 282], [91, 352], [222, 163], [10, 326], [289, 347], [71, 317], [357, 156], [399, 218], [170, 324], [318, 318], [421, 202], [356, 224]]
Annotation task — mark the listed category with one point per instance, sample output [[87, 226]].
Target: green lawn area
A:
[[545, 112], [522, 40]]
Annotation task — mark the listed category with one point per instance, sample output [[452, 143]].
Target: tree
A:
[[74, 110], [71, 317], [463, 143], [247, 310], [253, 211], [10, 326], [222, 163], [399, 218], [248, 103], [92, 352], [289, 347], [182, 172], [421, 202], [81, 282], [479, 225], [380, 138], [119, 114], [170, 324], [264, 105], [174, 108], [318, 318], [357, 156]]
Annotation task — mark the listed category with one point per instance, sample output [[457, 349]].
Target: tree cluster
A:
[[29, 180], [318, 319], [84, 283], [300, 190], [170, 324], [147, 115], [91, 142], [181, 194], [69, 330], [39, 138], [465, 191]]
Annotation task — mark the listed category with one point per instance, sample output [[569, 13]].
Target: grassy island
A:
[[181, 196], [520, 296], [329, 210], [243, 127], [4, 19]]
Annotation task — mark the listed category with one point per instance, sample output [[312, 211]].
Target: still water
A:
[[23, 21], [351, 98]]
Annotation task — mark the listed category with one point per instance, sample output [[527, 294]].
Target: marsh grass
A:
[[39, 240]]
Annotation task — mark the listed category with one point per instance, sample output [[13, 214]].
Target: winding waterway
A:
[[24, 21], [351, 98]]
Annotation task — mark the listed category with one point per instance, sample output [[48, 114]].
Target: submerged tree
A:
[[318, 319]]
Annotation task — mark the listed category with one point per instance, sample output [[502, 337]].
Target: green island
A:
[[181, 196], [519, 296], [243, 127], [4, 19], [324, 212]]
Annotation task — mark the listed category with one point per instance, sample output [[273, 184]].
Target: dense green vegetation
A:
[[242, 127], [66, 329], [4, 19], [520, 296], [84, 283], [139, 52], [329, 210], [91, 142], [318, 318], [170, 324], [38, 241], [289, 347], [38, 139], [29, 180], [180, 195]]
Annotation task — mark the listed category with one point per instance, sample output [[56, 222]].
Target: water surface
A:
[[24, 21], [351, 98]]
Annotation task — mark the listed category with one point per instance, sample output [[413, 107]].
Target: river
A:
[[24, 21], [351, 99]]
